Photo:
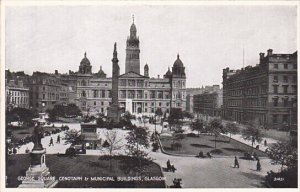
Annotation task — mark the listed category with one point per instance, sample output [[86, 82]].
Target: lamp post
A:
[[155, 112]]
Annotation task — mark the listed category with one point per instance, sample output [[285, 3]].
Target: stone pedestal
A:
[[38, 175], [114, 113]]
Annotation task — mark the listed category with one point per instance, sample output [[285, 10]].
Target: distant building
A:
[[265, 93], [44, 91], [190, 92], [16, 94], [209, 103]]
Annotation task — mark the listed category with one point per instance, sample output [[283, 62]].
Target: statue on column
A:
[[37, 137]]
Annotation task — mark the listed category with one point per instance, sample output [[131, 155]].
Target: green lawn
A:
[[87, 166], [206, 143], [20, 133]]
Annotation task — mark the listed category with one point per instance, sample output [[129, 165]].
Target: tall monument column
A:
[[132, 62], [38, 175], [113, 110]]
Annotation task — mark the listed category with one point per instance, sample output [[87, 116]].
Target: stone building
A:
[[137, 93], [16, 91], [47, 90], [16, 94], [44, 91], [209, 103], [265, 93], [190, 92]]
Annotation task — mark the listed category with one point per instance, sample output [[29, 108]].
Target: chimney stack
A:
[[270, 52], [261, 57]]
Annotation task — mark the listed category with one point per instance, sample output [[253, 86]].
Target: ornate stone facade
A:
[[266, 93], [136, 92]]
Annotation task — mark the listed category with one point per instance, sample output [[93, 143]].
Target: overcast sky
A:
[[208, 38]]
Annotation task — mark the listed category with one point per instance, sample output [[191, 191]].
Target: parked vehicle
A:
[[75, 149]]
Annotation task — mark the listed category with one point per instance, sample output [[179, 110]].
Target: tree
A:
[[286, 155], [72, 110], [20, 114], [231, 128], [73, 137], [114, 141], [174, 117], [138, 139], [197, 126], [188, 115], [215, 127], [283, 154], [252, 133]]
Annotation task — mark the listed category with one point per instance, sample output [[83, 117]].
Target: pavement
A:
[[194, 172], [212, 173]]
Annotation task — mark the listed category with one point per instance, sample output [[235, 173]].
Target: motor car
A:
[[75, 149], [47, 133]]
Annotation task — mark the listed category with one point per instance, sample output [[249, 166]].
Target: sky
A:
[[207, 38]]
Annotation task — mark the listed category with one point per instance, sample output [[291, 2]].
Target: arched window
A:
[[83, 83]]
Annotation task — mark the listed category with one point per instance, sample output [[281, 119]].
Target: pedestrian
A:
[[168, 165], [58, 139], [14, 151], [258, 166], [265, 142], [51, 142], [236, 163], [208, 154]]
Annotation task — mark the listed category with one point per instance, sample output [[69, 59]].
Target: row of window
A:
[[18, 93], [285, 66], [179, 84], [133, 56], [248, 91], [285, 102], [19, 100], [285, 78], [285, 89], [248, 103], [48, 88]]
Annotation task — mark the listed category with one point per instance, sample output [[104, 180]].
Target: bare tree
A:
[[114, 141], [231, 128], [252, 133], [216, 127], [198, 125]]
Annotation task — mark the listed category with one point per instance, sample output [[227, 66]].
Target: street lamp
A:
[[155, 112]]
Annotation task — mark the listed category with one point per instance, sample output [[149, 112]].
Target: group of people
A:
[[176, 181], [57, 140], [237, 165], [201, 154], [170, 167]]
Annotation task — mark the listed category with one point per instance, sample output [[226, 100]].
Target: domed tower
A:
[[132, 62], [178, 69], [178, 84], [85, 66], [146, 70]]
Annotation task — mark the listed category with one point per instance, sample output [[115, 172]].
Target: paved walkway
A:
[[58, 147], [215, 172], [212, 173], [195, 172]]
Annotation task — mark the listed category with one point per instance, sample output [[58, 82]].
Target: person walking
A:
[[58, 139], [258, 165], [236, 163], [265, 142], [51, 142]]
